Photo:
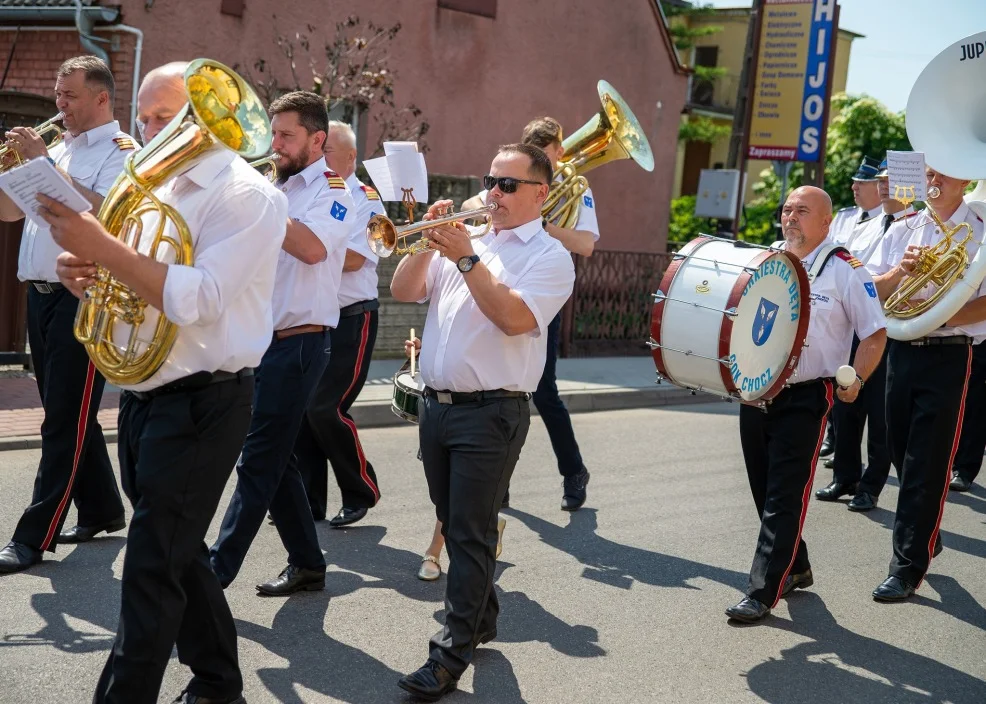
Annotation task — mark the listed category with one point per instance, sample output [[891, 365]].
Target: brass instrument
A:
[[271, 161], [611, 134], [222, 112], [385, 238], [9, 158]]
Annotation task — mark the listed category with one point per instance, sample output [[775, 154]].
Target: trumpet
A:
[[270, 161], [385, 238], [10, 158]]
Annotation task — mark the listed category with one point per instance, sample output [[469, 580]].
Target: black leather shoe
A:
[[293, 579], [835, 491], [430, 682], [959, 484], [83, 534], [748, 611], [893, 589], [347, 516], [829, 463], [18, 556], [574, 491], [802, 580], [186, 698], [862, 501], [828, 449]]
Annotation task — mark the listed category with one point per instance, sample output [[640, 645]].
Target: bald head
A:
[[160, 98], [805, 218]]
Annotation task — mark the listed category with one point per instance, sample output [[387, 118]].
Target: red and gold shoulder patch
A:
[[335, 180], [371, 194], [125, 144], [847, 257]]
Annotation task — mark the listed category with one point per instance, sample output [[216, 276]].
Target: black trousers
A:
[[553, 412], [329, 432], [469, 452], [870, 407], [926, 388], [74, 461], [780, 448], [972, 444], [176, 454]]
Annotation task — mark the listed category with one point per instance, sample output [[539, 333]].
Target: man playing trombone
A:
[[483, 351]]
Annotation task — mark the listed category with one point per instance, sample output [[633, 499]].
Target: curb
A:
[[377, 414]]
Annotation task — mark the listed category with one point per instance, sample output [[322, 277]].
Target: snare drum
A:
[[408, 391], [730, 319]]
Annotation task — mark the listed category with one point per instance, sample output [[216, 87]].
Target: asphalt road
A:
[[620, 602]]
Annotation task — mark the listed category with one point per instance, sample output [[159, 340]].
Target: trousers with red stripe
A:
[[926, 388], [780, 449], [74, 461], [330, 433]]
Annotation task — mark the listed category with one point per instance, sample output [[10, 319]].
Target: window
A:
[[702, 91], [485, 8]]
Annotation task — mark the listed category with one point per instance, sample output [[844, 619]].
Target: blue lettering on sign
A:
[[870, 289], [749, 384], [763, 322], [338, 211], [587, 200], [816, 75]]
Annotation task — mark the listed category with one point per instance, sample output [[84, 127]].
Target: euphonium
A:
[[222, 112], [612, 134], [9, 158]]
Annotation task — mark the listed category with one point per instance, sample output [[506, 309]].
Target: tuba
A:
[[610, 135], [222, 112], [9, 158], [945, 121]]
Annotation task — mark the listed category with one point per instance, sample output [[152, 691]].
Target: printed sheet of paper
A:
[[23, 183], [906, 173], [403, 168]]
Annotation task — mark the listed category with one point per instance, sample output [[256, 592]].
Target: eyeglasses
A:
[[506, 183]]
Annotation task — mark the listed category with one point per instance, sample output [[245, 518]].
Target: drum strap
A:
[[827, 252]]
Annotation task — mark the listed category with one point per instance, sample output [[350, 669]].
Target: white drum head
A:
[[411, 382]]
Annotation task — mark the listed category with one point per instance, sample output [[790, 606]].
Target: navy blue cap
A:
[[868, 169]]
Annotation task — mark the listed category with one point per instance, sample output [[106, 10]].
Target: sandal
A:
[[431, 568]]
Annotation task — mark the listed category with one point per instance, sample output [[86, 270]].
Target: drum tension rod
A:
[[654, 344], [659, 296]]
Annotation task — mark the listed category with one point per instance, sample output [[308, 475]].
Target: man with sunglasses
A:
[[546, 134], [484, 344]]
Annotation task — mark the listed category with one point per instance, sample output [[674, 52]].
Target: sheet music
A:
[[906, 171], [401, 169], [39, 175]]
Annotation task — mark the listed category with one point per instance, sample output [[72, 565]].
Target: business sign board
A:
[[790, 90]]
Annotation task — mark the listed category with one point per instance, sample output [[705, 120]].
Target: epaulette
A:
[[371, 194], [909, 215], [335, 180], [847, 257], [125, 144]]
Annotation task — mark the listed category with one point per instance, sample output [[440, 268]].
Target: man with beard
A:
[[306, 307], [781, 442]]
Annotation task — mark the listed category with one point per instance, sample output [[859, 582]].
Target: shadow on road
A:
[[839, 666]]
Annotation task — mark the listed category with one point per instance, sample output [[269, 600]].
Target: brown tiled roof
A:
[[44, 3]]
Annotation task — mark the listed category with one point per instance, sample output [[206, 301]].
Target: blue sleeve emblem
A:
[[587, 200], [870, 289], [338, 211]]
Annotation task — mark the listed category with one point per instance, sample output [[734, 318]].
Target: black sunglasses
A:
[[505, 183]]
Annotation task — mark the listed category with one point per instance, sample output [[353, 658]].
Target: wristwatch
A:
[[466, 263], [860, 380]]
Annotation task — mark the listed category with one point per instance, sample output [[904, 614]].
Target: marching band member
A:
[[483, 351], [181, 430], [865, 485], [972, 443], [305, 307], [329, 432], [927, 380], [74, 461], [781, 443]]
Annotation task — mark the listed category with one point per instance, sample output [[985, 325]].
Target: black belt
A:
[[931, 341], [46, 286], [451, 397], [192, 382], [811, 382], [358, 308]]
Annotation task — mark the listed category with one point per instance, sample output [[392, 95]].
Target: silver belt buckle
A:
[[444, 397], [43, 287]]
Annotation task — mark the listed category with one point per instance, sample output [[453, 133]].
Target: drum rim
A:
[[726, 329]]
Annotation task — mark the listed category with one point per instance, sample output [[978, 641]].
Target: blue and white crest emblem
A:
[[763, 323], [587, 200], [338, 211]]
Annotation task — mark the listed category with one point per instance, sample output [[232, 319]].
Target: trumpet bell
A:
[[612, 134], [381, 235]]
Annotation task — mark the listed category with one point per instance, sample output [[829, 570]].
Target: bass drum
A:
[[730, 319]]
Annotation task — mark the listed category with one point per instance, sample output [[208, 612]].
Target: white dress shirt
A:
[[843, 300], [222, 301], [361, 285], [95, 159], [920, 229], [308, 294], [461, 349], [846, 221], [587, 212], [866, 238]]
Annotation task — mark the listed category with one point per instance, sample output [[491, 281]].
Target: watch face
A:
[[465, 264]]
